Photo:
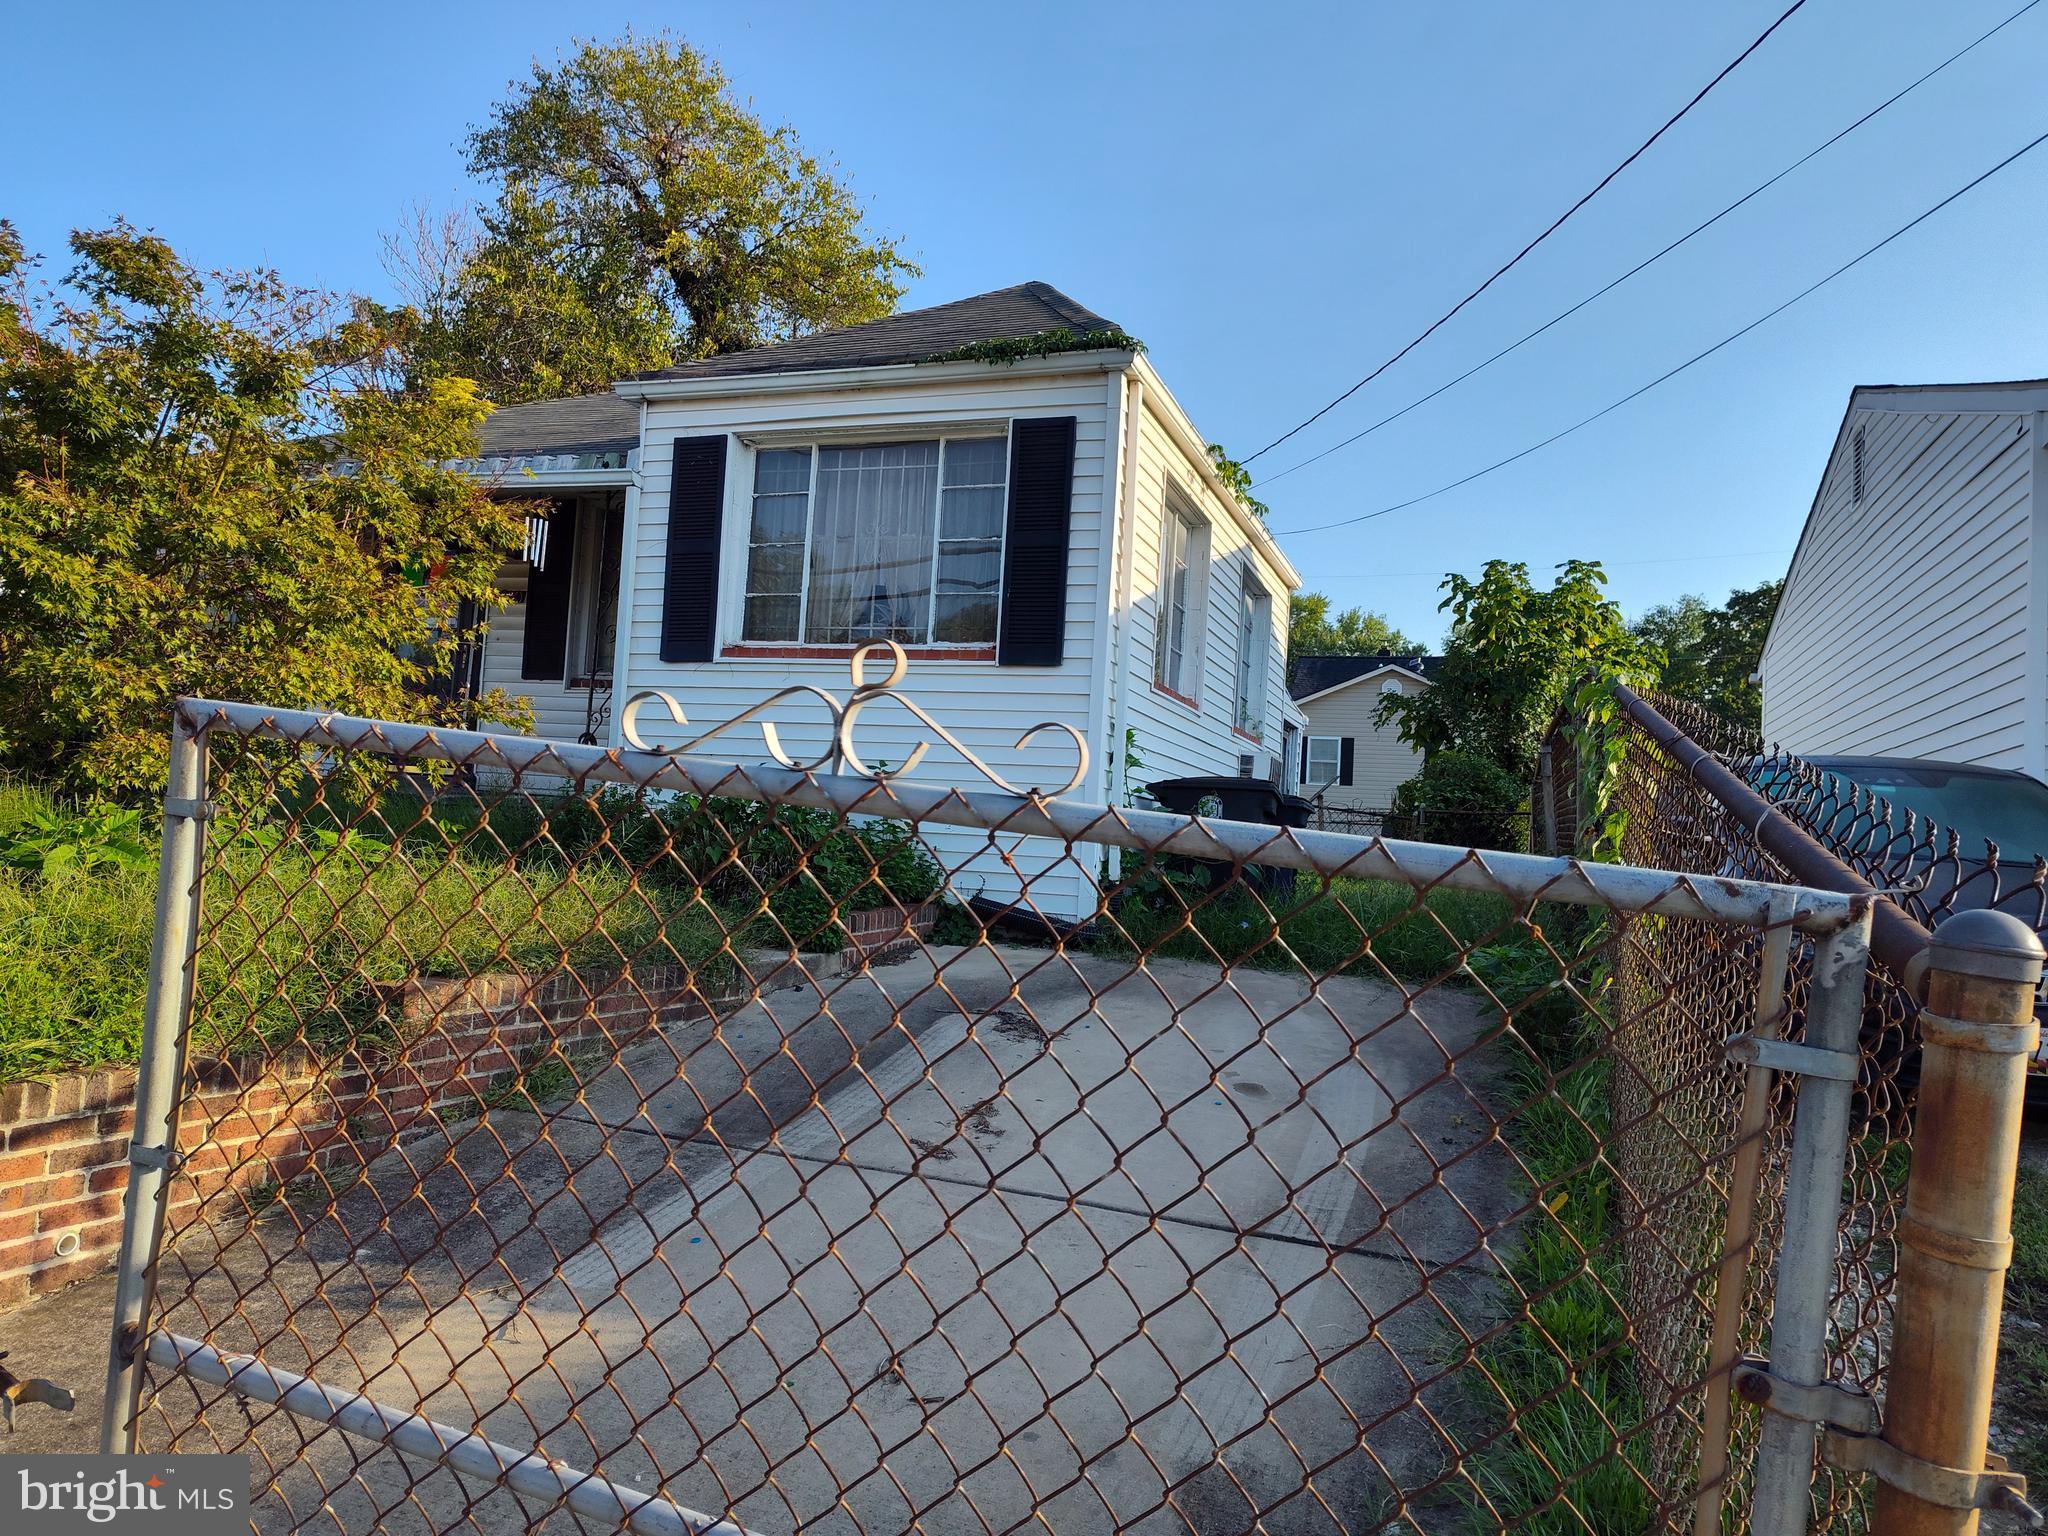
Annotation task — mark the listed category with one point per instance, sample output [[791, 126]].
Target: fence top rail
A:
[[1526, 877]]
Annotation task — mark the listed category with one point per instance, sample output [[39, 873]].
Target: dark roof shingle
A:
[[1314, 674], [913, 336], [583, 424]]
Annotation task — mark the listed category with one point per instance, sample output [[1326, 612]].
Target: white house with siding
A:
[[1045, 537], [1347, 758], [1914, 620]]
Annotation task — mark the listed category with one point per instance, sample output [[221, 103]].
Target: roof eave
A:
[[868, 375], [1352, 682]]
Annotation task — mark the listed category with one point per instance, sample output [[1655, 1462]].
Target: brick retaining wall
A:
[[267, 1117]]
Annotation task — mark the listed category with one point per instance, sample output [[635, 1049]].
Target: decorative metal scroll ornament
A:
[[842, 754]]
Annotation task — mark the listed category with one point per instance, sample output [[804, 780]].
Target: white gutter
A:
[[830, 379], [1126, 565]]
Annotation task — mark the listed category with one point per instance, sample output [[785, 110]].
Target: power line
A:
[[1697, 357], [1731, 554], [1556, 224], [1697, 229]]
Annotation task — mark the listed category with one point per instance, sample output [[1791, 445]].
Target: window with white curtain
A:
[[1179, 546], [880, 541]]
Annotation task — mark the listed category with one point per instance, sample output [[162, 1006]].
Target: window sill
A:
[[756, 650], [1179, 698]]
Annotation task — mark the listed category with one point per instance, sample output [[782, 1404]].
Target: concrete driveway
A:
[[976, 1239]]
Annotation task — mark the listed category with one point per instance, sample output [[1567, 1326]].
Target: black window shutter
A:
[[1304, 759], [1345, 761], [696, 511], [544, 651], [1034, 622]]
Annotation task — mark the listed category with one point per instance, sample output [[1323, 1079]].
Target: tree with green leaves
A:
[[219, 484], [1514, 651], [643, 216], [1313, 630], [1710, 654]]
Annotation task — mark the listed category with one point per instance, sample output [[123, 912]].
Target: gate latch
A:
[[1790, 1056], [1996, 1487], [1830, 1403]]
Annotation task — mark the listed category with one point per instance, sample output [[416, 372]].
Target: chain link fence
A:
[[572, 1139]]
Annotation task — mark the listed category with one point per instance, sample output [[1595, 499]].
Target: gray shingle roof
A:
[[583, 424], [909, 337], [1313, 674]]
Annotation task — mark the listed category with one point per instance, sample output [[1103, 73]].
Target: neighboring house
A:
[[1914, 620], [1346, 757], [1045, 537]]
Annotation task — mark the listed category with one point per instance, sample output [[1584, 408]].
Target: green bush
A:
[[1461, 799]]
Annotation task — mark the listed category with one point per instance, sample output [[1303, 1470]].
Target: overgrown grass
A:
[[1355, 927], [1558, 1384], [296, 945], [2022, 1408]]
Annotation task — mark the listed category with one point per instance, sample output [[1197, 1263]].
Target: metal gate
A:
[[570, 1138]]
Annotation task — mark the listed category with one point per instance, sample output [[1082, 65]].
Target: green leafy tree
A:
[[1313, 630], [644, 216], [224, 485], [1710, 653], [1514, 652]]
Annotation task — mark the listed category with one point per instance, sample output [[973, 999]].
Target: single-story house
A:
[[1043, 534], [1347, 758], [1914, 619]]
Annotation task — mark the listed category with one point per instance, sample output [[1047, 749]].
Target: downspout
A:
[[1126, 562]]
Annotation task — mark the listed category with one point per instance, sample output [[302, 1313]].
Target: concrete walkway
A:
[[974, 1237]]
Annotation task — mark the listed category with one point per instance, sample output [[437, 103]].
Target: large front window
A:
[[882, 541]]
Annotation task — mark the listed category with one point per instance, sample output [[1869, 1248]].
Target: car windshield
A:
[[2006, 809]]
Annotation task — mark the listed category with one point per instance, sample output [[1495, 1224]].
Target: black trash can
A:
[[1237, 799]]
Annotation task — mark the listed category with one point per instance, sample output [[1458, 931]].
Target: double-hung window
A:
[[883, 541], [1254, 623], [1325, 759], [1172, 637]]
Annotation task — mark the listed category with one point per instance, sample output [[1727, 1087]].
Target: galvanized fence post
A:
[[167, 1007], [1955, 1239], [1827, 1062]]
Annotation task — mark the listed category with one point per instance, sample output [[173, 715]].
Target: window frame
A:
[[813, 445], [1183, 682], [1254, 641], [588, 661], [1309, 741]]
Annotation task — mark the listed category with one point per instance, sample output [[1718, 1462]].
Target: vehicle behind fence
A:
[[532, 1135]]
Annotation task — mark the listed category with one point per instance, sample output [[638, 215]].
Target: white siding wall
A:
[[988, 707], [1382, 761], [558, 711], [1178, 739], [1904, 625]]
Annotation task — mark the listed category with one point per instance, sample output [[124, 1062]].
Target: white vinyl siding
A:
[[989, 707], [1380, 760], [1904, 627], [1174, 738]]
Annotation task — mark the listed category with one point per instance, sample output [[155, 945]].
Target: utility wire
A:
[[1697, 357], [1556, 225], [1697, 229], [1726, 554]]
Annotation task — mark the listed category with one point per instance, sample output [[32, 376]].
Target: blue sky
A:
[[1273, 197]]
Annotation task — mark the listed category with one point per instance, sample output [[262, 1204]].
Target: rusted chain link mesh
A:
[[1673, 821], [732, 1152]]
